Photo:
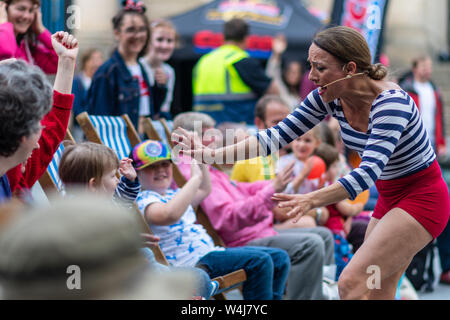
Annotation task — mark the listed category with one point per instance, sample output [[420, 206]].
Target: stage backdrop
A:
[[366, 16]]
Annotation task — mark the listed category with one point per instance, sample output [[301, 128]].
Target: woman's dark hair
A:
[[347, 44], [285, 64], [29, 36], [25, 98], [136, 9]]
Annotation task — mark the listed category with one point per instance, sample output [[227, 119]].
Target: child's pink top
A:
[[239, 211], [44, 56]]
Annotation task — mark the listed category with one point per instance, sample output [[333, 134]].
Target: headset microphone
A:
[[345, 78]]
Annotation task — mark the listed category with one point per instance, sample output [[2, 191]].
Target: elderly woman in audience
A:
[[31, 130]]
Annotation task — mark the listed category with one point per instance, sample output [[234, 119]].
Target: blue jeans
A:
[[203, 282], [267, 269]]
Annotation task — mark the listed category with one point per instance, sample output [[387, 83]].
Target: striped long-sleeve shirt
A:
[[126, 192], [395, 145]]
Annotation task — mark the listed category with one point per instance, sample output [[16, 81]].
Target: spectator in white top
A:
[[162, 44]]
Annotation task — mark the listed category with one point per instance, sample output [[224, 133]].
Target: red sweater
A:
[[55, 122]]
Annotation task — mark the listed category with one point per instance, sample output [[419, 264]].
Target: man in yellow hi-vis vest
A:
[[227, 82]]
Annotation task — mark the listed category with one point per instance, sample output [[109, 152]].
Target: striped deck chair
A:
[[163, 128], [50, 181], [117, 133]]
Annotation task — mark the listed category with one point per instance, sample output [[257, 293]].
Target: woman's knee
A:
[[353, 284], [348, 285]]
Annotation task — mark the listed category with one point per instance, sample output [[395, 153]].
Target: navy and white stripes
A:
[[395, 145]]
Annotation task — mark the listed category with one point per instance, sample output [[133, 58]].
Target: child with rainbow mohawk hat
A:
[[170, 214]]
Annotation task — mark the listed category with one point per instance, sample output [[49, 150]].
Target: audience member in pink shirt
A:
[[242, 215], [23, 35]]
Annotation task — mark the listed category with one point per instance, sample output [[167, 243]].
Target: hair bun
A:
[[377, 71]]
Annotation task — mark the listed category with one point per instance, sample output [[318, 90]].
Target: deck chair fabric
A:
[[161, 130], [113, 133], [53, 168], [51, 181]]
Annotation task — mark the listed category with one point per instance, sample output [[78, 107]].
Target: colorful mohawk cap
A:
[[149, 152]]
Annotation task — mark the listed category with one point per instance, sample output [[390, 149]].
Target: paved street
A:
[[442, 292]]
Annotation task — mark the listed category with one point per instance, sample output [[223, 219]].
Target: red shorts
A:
[[424, 195]]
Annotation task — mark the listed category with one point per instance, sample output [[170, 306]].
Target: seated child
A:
[[94, 167], [302, 155], [340, 214], [170, 214]]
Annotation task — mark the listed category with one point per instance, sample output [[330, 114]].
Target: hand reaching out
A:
[[196, 171], [38, 25], [149, 240], [309, 165], [3, 13], [160, 76], [65, 45], [279, 44], [300, 204], [283, 177], [126, 169], [186, 143]]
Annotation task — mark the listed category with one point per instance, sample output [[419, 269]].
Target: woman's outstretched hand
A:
[[299, 204], [189, 144]]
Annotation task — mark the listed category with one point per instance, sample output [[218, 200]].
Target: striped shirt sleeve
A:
[[127, 191], [311, 111], [390, 116]]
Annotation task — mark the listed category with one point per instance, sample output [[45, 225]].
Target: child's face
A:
[[162, 43], [304, 146], [110, 182], [332, 171], [156, 177]]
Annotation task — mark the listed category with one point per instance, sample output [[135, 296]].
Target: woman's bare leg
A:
[[388, 248]]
